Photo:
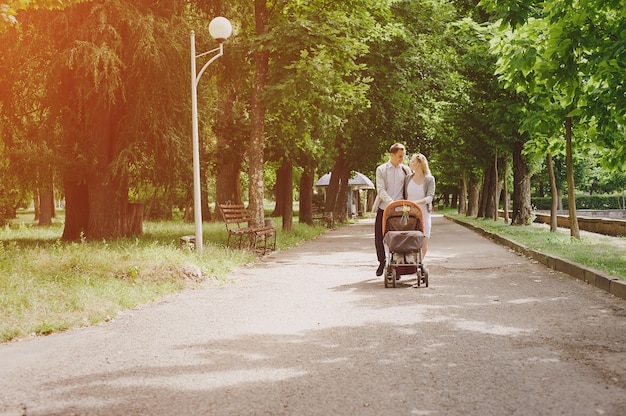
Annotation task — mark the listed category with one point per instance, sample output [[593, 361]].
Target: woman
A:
[[420, 188]]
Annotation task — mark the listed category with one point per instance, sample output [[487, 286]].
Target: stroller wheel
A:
[[393, 277], [426, 276]]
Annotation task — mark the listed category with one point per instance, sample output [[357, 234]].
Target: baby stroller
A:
[[403, 235]]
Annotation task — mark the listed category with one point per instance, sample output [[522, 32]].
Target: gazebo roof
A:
[[357, 181]]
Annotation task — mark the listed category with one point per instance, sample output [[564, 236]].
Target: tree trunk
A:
[[487, 197], [571, 197], [481, 200], [204, 192], [505, 190], [521, 187], [306, 196], [496, 189], [287, 199], [135, 219], [46, 204], [36, 202], [227, 184], [108, 203], [280, 190], [370, 197], [341, 208], [332, 191], [227, 169], [107, 192], [473, 197], [463, 193], [76, 210], [257, 133], [555, 194]]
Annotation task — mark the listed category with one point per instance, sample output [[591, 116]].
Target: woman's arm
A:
[[430, 189]]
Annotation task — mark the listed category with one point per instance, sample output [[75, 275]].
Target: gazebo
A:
[[357, 182]]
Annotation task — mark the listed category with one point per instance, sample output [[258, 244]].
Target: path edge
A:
[[601, 280]]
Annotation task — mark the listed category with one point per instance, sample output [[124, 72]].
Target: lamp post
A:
[[220, 29]]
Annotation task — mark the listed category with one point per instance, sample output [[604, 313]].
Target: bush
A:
[[6, 212], [582, 202]]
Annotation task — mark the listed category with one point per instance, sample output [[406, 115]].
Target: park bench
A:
[[238, 220], [324, 218]]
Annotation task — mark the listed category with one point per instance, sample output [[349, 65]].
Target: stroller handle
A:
[[400, 211]]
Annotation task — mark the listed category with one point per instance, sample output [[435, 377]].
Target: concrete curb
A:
[[601, 280]]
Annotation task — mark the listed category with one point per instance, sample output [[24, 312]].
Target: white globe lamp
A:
[[220, 29]]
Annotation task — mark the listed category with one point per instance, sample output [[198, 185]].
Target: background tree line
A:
[[95, 102]]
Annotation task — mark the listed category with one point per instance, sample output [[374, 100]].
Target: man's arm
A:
[[381, 186]]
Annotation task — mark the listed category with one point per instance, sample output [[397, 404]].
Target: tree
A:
[[256, 144], [411, 62], [478, 123], [84, 106], [315, 84], [113, 125], [10, 11], [570, 51], [29, 144]]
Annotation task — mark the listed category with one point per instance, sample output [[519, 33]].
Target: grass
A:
[[48, 286], [604, 253]]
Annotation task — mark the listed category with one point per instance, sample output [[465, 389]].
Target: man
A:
[[389, 187]]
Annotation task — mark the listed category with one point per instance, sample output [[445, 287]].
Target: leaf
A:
[[577, 112]]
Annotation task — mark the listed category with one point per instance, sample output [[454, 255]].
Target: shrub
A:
[[582, 202]]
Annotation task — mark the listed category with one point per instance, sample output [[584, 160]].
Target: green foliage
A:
[[563, 56], [8, 11], [7, 203], [91, 73], [369, 72], [414, 81], [316, 81], [589, 175], [599, 202], [120, 57]]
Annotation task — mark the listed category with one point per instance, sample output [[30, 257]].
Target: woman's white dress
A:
[[415, 192]]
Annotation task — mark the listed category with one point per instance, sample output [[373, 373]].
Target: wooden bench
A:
[[325, 218], [238, 220]]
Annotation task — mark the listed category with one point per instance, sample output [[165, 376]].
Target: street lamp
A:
[[220, 29]]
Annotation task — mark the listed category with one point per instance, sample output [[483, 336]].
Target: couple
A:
[[395, 181]]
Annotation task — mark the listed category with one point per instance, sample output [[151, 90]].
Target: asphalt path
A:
[[313, 331]]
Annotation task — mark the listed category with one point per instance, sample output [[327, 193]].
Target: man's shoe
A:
[[380, 270]]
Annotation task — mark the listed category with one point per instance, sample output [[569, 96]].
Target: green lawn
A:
[[47, 285]]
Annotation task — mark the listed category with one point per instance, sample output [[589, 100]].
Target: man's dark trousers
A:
[[378, 236]]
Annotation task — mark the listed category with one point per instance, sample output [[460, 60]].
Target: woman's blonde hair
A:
[[421, 159]]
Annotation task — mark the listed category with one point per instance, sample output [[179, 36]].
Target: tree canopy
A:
[[95, 101]]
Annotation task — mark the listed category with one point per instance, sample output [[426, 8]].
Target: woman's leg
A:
[[424, 247]]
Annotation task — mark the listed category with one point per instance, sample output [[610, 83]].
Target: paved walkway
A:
[[313, 331]]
